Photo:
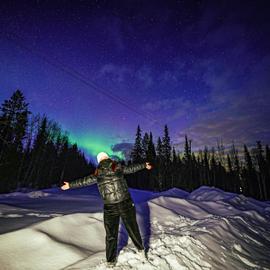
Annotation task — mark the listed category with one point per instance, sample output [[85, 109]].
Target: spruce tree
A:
[[206, 166], [249, 174], [187, 151], [261, 163], [174, 167], [166, 146], [221, 152], [159, 148], [230, 178], [237, 183], [13, 124], [174, 156], [13, 121], [160, 165], [145, 145], [213, 165], [39, 153], [137, 152], [151, 152]]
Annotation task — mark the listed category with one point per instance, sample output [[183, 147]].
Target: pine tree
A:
[[174, 156], [174, 167], [159, 148], [52, 149], [194, 172], [13, 124], [137, 152], [237, 183], [150, 156], [261, 163], [26, 156], [166, 146], [187, 151], [229, 162], [221, 152], [200, 167], [13, 121], [230, 180], [221, 176], [213, 165], [206, 166], [39, 154], [63, 158], [249, 174], [151, 152], [145, 145], [33, 153], [160, 164]]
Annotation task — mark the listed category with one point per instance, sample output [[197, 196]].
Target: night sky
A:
[[202, 67]]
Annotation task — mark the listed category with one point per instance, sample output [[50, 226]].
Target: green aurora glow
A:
[[95, 144]]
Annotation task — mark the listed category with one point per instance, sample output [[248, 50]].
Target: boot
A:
[[142, 253], [111, 264]]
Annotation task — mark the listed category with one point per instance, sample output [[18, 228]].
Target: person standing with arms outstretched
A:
[[113, 189]]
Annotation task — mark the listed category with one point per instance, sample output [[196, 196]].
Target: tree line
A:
[[248, 175], [34, 151]]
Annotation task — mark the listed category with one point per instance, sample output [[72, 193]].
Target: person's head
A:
[[101, 156]]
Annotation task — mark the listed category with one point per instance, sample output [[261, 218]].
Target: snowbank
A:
[[205, 193], [207, 229]]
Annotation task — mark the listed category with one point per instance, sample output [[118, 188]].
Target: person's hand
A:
[[65, 186], [148, 166]]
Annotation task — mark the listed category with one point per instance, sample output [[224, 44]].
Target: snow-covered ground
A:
[[206, 229]]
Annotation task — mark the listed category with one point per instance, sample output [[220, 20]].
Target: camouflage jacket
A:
[[109, 177]]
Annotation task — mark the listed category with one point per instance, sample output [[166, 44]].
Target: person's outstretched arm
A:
[[136, 167], [85, 181]]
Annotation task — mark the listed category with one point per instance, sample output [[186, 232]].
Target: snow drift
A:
[[206, 229]]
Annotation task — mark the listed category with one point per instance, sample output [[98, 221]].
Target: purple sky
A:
[[202, 67]]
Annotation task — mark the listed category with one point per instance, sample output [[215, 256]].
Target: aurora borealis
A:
[[202, 67]]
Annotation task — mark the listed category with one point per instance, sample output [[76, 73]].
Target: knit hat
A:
[[101, 156]]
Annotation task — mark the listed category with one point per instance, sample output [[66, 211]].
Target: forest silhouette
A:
[[36, 153]]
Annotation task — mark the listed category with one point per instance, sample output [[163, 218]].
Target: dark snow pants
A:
[[112, 213]]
